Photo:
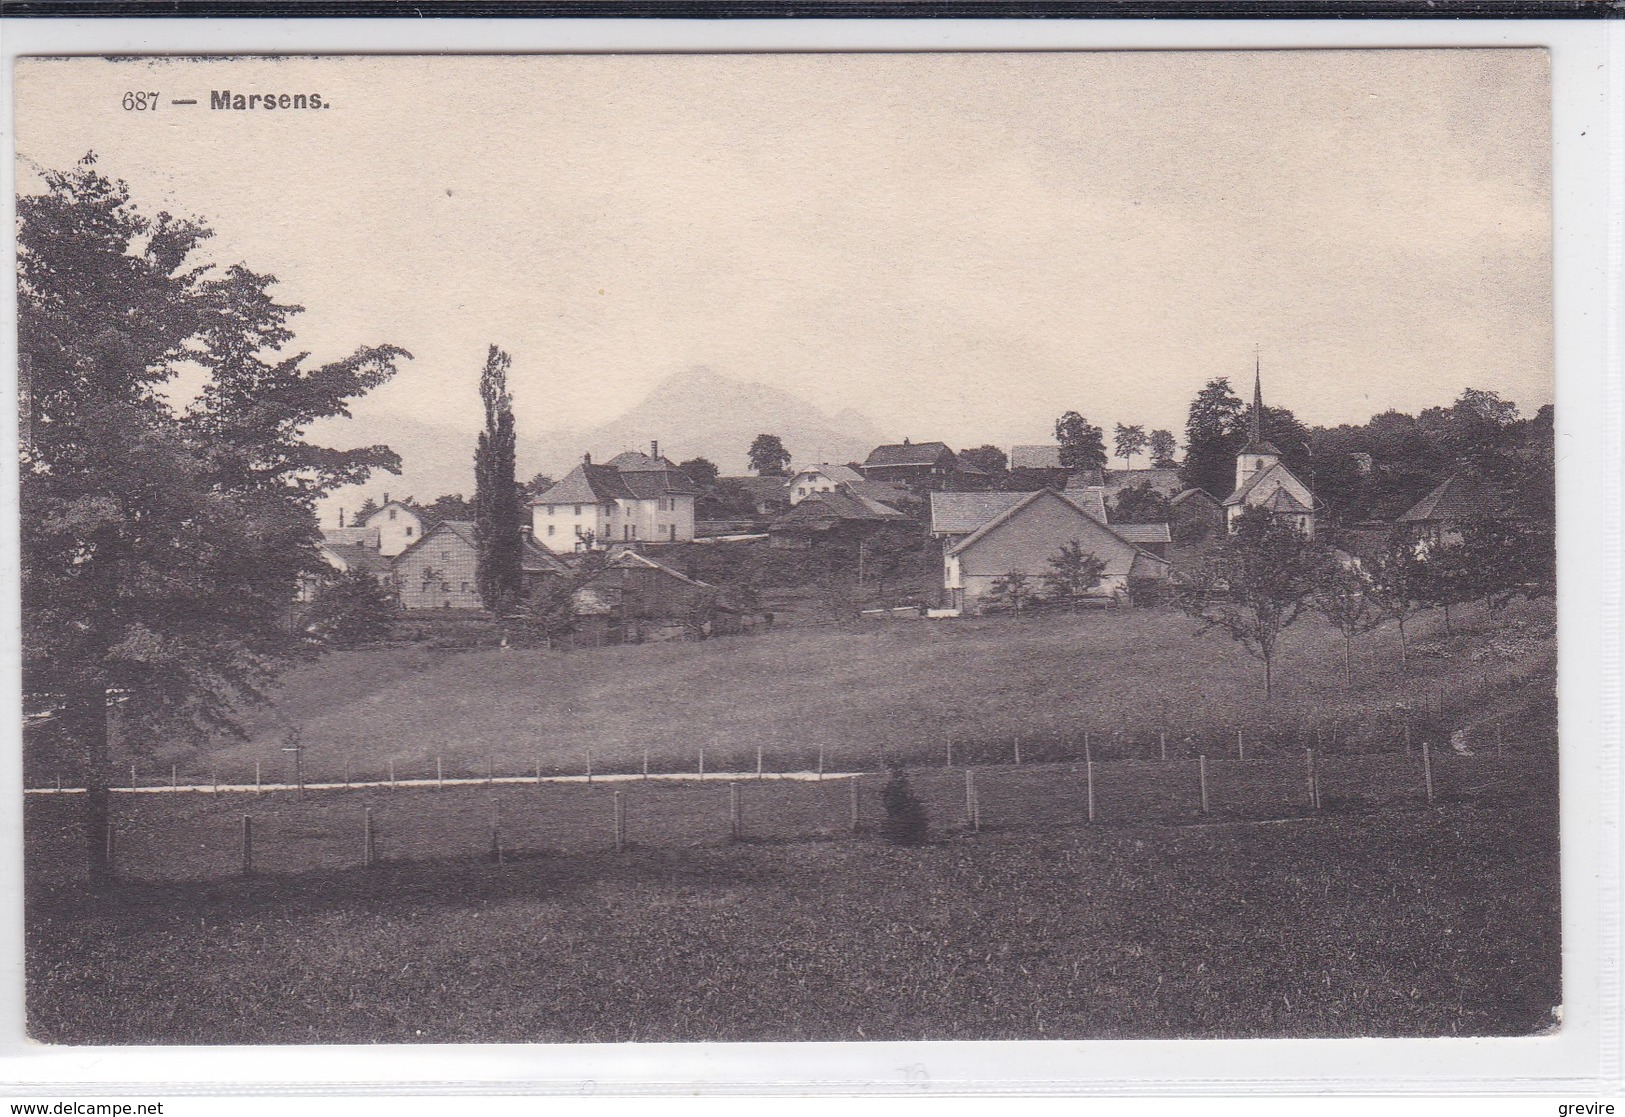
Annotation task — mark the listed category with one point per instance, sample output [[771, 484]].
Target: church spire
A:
[[1257, 432]]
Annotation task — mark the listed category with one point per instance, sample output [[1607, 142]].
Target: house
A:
[[1440, 518], [635, 497], [986, 536], [833, 515], [919, 465], [398, 527], [1262, 481], [637, 599], [1195, 515], [768, 495], [537, 564], [825, 478], [437, 571]]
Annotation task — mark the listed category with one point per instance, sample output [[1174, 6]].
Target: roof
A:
[[1091, 498], [1085, 478], [357, 536], [829, 508], [1253, 481], [762, 489], [1456, 498], [1046, 456], [1143, 535], [840, 474], [907, 453], [462, 529], [886, 492], [981, 533], [1281, 501], [634, 560], [635, 462], [647, 484], [1261, 446], [587, 484], [1165, 481], [537, 559], [963, 513], [1194, 494], [357, 557]]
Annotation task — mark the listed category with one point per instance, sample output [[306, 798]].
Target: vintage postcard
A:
[[788, 547]]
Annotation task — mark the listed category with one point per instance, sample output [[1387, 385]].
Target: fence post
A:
[[1089, 769], [646, 765], [949, 762], [1018, 748], [490, 774], [1201, 766], [733, 811], [256, 778], [758, 761], [1162, 742], [392, 773], [174, 779], [620, 822], [496, 831], [366, 837], [852, 784], [1310, 756], [589, 765], [1427, 769], [1407, 732], [1314, 776], [439, 773], [1088, 757], [112, 865], [702, 762], [216, 781], [132, 777], [820, 762], [248, 846], [1241, 746], [538, 771], [346, 773], [970, 797]]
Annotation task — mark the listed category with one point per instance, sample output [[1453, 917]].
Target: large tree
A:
[[161, 547], [497, 540], [768, 457], [1162, 447], [701, 471], [989, 459], [1214, 436], [1083, 445]]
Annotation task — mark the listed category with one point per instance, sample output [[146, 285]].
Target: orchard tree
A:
[[1072, 573], [1141, 504], [1256, 587], [768, 457], [1395, 583], [1128, 441], [162, 548], [1162, 447], [1344, 598], [352, 608], [498, 543], [1014, 589], [1083, 445]]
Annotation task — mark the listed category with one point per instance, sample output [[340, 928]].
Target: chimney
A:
[[586, 459], [341, 517], [654, 449], [386, 498]]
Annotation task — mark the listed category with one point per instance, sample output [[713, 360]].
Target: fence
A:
[[206, 835]]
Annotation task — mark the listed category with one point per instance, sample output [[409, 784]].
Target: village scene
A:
[[744, 716]]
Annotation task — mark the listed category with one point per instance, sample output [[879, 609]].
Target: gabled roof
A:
[[1143, 535], [354, 556], [1132, 554], [1281, 502], [1261, 446], [462, 529], [762, 489], [537, 559], [634, 560], [1457, 498], [587, 484], [1045, 456], [829, 508], [907, 453], [1255, 480], [352, 536], [840, 474], [388, 504], [963, 513], [1194, 494]]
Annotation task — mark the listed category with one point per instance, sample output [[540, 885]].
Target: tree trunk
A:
[[85, 718], [1404, 648]]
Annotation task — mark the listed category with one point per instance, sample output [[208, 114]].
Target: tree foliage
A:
[[989, 459], [1141, 504], [1072, 573], [1344, 598], [768, 457], [701, 471], [1128, 441], [1163, 448], [1256, 586], [352, 608], [162, 547], [904, 820], [498, 543], [1395, 582], [1083, 445], [1013, 590]]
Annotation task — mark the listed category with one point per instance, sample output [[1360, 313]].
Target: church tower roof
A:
[[1256, 442]]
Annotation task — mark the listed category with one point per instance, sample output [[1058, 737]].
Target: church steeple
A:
[[1258, 455], [1256, 434]]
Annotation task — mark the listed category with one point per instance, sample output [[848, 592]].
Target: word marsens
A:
[[226, 99]]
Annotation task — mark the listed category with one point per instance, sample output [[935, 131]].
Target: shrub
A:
[[905, 822]]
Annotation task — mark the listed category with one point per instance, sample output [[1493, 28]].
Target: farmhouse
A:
[[986, 536], [768, 495], [1263, 482], [635, 599], [919, 465], [1439, 518], [832, 515], [437, 572], [827, 478], [1196, 515]]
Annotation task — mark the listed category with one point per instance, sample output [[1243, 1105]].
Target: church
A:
[[1263, 482]]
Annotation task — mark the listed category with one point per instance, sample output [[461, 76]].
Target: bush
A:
[[905, 822]]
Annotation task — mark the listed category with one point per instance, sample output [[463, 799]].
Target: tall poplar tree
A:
[[496, 490]]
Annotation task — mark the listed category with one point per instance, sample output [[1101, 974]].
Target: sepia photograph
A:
[[654, 548]]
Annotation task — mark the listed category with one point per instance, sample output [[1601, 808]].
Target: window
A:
[[409, 533], [550, 512], [550, 526], [671, 532], [465, 587], [392, 513], [578, 509], [626, 532]]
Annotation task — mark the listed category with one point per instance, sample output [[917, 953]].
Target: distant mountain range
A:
[[697, 413]]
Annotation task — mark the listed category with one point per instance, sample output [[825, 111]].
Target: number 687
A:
[[139, 102]]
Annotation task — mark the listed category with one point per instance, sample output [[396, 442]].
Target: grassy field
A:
[[1414, 920], [899, 690]]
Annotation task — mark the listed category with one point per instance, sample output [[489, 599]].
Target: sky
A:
[[959, 245]]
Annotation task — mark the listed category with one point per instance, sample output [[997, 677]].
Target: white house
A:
[[822, 478], [398, 527], [634, 498], [1263, 482]]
